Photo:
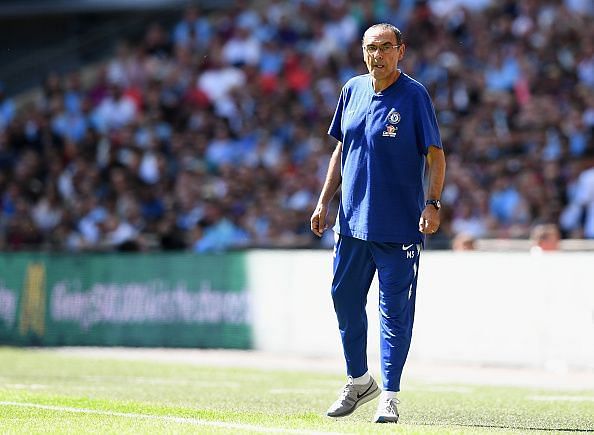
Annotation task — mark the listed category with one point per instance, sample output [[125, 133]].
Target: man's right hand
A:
[[318, 220]]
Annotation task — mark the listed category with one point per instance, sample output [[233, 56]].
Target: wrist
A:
[[435, 203]]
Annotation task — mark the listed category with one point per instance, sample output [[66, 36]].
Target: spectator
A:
[[581, 207], [463, 242], [115, 111], [7, 110], [217, 232], [193, 31], [242, 49], [544, 237]]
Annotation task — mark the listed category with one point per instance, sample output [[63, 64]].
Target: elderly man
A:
[[386, 130]]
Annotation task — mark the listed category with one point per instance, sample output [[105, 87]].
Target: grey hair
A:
[[386, 26]]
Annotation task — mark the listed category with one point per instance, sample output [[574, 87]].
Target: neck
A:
[[381, 84]]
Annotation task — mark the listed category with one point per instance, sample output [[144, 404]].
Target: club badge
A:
[[394, 118]]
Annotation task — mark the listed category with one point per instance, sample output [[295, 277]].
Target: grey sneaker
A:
[[387, 412], [352, 396]]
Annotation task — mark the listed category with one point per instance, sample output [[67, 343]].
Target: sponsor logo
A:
[[32, 318], [407, 247], [8, 305], [390, 131], [152, 301]]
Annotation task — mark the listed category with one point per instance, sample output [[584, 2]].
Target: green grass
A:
[[157, 397]]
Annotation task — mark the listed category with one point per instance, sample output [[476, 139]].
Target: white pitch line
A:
[[189, 420]]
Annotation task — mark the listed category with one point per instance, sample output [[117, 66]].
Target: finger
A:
[[315, 226], [425, 226], [322, 224], [431, 229]]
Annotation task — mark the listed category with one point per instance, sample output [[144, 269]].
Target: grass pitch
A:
[[48, 392]]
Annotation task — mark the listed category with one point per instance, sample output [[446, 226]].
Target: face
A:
[[382, 65]]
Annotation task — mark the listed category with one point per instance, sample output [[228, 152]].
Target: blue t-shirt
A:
[[385, 137]]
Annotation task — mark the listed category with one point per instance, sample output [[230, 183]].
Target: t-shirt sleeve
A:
[[335, 129], [426, 127]]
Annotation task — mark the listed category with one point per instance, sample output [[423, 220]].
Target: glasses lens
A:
[[383, 48]]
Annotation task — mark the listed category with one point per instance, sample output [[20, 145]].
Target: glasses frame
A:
[[381, 48]]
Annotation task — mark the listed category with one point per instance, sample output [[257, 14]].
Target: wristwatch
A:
[[434, 202]]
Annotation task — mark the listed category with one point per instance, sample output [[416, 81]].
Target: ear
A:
[[401, 51]]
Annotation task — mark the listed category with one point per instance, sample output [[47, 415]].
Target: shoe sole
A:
[[364, 399], [386, 420]]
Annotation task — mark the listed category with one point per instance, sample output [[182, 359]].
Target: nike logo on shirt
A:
[[406, 247]]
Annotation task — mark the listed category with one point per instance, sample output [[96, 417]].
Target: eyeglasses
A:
[[370, 49]]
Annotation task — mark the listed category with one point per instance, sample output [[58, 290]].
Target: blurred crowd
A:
[[211, 135]]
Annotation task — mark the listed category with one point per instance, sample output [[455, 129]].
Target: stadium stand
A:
[[210, 133]]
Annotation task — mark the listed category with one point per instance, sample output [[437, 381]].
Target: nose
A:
[[377, 54]]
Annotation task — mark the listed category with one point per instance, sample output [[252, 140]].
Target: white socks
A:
[[362, 380], [388, 395]]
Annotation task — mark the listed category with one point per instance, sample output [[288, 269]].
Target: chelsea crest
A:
[[394, 118]]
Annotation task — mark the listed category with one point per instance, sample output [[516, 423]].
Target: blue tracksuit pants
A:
[[355, 263]]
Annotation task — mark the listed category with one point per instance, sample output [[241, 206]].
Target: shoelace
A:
[[389, 405], [346, 389]]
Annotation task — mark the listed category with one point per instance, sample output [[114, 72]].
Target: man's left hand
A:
[[430, 220]]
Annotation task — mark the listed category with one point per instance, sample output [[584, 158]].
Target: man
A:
[[386, 129]]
